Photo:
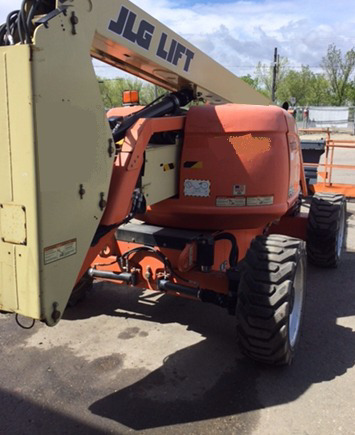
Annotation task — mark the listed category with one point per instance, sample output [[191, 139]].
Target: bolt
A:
[[111, 149], [56, 313], [74, 19], [102, 203], [148, 273], [81, 191]]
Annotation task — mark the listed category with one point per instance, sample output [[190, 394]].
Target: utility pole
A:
[[274, 74]]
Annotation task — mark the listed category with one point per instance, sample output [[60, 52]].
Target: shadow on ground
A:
[[211, 379], [28, 417]]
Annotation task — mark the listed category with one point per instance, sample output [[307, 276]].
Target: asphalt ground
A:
[[125, 361]]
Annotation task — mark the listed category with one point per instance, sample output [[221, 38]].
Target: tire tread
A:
[[264, 296]]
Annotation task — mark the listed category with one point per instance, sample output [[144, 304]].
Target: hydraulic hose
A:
[[234, 253], [169, 104]]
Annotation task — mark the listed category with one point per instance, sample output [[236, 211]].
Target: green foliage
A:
[[338, 69], [308, 88], [351, 93], [334, 87], [253, 82], [264, 75], [295, 84], [112, 90], [319, 91]]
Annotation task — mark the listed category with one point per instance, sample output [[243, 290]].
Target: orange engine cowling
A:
[[240, 168]]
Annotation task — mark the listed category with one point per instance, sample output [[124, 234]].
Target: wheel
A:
[[271, 296], [80, 291], [326, 229]]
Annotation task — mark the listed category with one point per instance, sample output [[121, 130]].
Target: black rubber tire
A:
[[266, 298], [326, 225]]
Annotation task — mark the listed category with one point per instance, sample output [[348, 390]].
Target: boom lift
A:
[[210, 185]]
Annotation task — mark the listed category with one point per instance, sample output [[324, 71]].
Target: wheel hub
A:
[[341, 234], [296, 304]]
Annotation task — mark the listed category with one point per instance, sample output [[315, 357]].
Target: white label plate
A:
[[260, 200], [239, 189], [230, 202], [197, 188], [60, 251]]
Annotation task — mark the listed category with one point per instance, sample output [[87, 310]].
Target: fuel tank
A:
[[240, 168]]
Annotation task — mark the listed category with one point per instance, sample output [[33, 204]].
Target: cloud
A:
[[239, 34]]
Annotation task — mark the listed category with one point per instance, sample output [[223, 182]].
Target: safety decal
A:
[[260, 200], [239, 189], [60, 251], [230, 202], [168, 167], [197, 188], [193, 165]]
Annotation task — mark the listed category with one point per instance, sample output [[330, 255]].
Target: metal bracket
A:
[[111, 148], [74, 20], [51, 15], [103, 202]]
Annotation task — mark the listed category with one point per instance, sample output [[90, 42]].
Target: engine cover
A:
[[240, 168]]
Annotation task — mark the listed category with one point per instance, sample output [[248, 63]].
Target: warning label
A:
[[60, 251], [230, 202], [239, 189]]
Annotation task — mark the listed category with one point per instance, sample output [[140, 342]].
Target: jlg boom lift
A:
[[216, 187]]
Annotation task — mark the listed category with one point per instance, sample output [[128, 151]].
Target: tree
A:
[[338, 70], [319, 91], [308, 88], [253, 82], [351, 92], [295, 84], [264, 75], [110, 92]]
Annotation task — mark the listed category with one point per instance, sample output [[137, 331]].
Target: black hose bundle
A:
[[19, 26]]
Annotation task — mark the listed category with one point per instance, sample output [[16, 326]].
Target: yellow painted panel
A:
[[8, 291], [20, 152], [5, 160], [13, 224]]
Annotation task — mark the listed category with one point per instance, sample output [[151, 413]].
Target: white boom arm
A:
[[130, 39]]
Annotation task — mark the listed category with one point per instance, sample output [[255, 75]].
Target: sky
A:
[[239, 34]]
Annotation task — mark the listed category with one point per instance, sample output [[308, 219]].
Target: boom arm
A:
[[123, 35], [55, 142], [130, 39]]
